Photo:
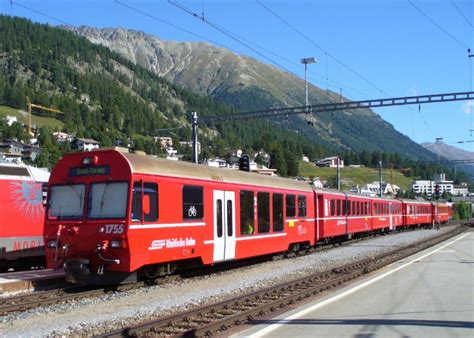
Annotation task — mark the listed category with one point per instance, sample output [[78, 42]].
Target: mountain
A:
[[452, 153], [104, 96], [248, 84]]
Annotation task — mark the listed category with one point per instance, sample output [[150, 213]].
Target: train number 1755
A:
[[114, 228]]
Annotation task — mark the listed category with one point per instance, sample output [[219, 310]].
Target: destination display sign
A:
[[89, 171]]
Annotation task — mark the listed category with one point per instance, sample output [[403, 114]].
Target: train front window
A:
[[108, 200], [66, 201]]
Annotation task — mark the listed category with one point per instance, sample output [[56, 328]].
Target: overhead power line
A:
[[169, 24], [38, 12], [461, 13], [438, 25], [320, 48]]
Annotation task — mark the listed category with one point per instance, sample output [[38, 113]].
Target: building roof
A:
[[88, 140]]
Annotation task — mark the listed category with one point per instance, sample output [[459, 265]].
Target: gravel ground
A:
[[96, 315]]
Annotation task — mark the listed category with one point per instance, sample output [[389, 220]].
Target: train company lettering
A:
[[172, 243], [27, 245]]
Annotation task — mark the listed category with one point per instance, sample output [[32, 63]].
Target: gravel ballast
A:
[[98, 315]]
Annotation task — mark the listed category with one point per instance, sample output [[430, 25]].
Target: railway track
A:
[[72, 293], [66, 294], [217, 318]]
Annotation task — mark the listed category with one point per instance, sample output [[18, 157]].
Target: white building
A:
[[10, 120], [86, 144], [428, 187], [330, 162], [63, 137], [164, 142], [461, 190], [373, 189]]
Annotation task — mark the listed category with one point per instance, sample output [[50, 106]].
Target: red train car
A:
[[341, 214], [114, 217], [21, 216], [417, 213], [386, 214], [442, 212]]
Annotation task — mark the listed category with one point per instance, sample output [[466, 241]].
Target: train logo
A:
[[27, 198]]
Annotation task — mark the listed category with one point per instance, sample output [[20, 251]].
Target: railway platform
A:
[[28, 280], [428, 294]]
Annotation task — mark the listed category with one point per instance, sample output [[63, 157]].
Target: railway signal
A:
[[244, 163]]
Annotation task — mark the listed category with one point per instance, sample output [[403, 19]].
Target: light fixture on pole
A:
[[307, 61]]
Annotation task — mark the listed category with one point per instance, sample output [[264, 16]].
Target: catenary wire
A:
[[437, 25]]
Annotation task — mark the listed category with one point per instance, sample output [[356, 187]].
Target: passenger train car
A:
[[115, 217], [21, 216]]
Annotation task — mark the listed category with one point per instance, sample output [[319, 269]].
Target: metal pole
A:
[[306, 85], [338, 175], [380, 178], [194, 122]]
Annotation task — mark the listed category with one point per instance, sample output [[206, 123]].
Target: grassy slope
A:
[[352, 176], [37, 120]]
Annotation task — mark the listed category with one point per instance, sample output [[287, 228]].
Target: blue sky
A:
[[395, 48]]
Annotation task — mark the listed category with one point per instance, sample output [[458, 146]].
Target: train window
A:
[[108, 200], [301, 206], [66, 201], [230, 219], [333, 207], [246, 213], [344, 207], [353, 208], [338, 203], [136, 215], [193, 203], [348, 207], [277, 212], [151, 190], [263, 212], [219, 218], [290, 205]]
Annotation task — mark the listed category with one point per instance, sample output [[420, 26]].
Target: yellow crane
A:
[[33, 105]]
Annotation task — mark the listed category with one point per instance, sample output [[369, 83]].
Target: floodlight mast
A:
[[307, 61]]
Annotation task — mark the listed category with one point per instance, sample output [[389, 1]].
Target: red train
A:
[[115, 217], [21, 216]]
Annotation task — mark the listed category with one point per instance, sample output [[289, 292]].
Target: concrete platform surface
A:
[[26, 280], [430, 294]]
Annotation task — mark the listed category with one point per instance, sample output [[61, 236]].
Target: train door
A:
[[224, 225], [390, 215]]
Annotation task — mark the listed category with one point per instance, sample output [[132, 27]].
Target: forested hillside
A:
[[106, 97]]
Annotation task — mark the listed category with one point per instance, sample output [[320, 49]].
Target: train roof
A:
[[141, 164], [23, 172], [352, 194]]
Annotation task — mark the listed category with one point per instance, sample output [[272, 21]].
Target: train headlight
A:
[[52, 244], [115, 244]]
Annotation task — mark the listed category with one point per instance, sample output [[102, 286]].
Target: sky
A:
[[368, 49]]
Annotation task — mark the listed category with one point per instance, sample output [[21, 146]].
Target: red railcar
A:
[[442, 212], [386, 214], [417, 213], [21, 216], [114, 216], [341, 214]]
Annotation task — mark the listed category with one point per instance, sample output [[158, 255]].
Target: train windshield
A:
[[66, 201], [108, 200]]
